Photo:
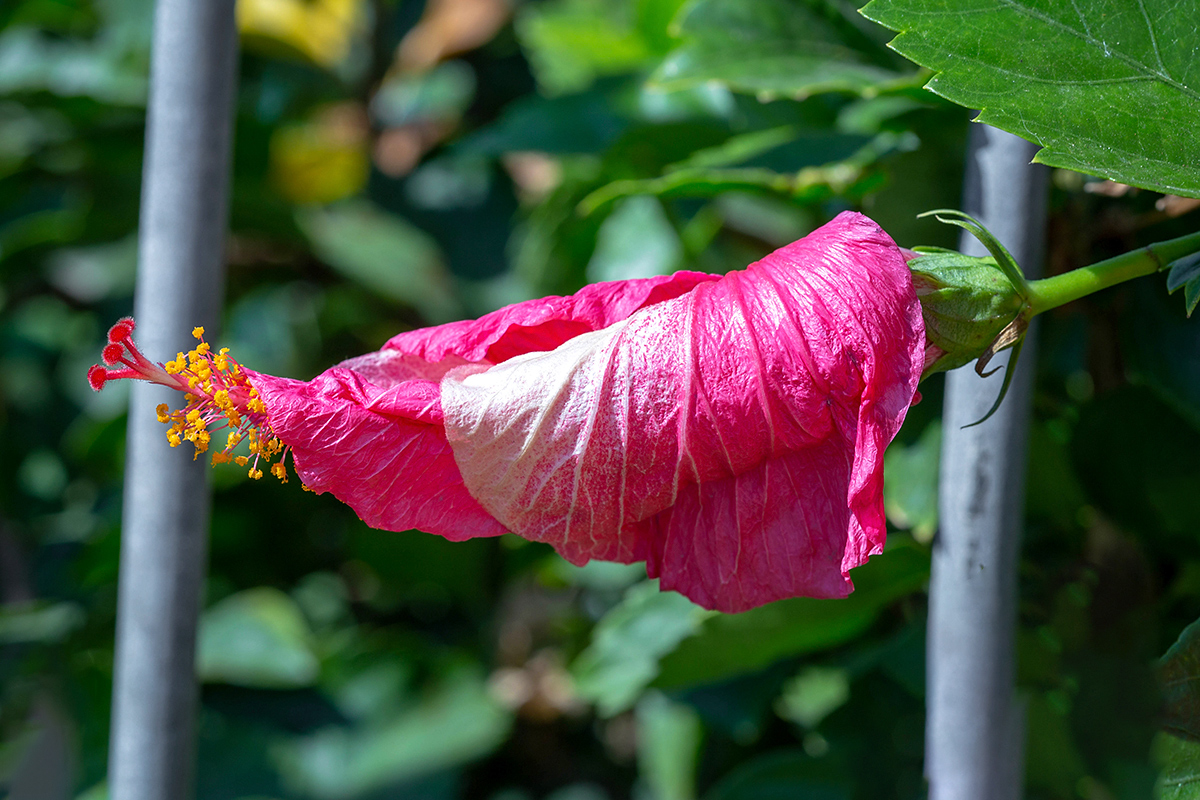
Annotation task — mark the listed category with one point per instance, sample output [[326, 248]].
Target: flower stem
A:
[[1053, 292]]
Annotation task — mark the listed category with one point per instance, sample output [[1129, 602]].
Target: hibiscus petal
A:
[[732, 436], [376, 450], [370, 429], [544, 323]]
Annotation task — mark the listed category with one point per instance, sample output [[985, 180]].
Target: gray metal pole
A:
[[180, 283], [975, 727]]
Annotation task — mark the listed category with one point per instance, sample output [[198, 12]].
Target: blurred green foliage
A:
[[400, 164]]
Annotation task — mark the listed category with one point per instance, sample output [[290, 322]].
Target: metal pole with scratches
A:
[[975, 725], [164, 534]]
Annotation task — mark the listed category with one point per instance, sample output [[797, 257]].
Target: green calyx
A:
[[976, 307], [973, 307]]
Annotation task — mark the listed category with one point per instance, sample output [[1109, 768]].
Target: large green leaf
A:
[[1107, 87], [771, 48]]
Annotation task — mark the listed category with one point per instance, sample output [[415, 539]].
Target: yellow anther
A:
[[193, 415], [241, 461], [198, 332], [234, 438], [255, 473], [163, 412], [203, 348], [193, 382], [173, 367], [220, 457], [174, 439], [279, 471]]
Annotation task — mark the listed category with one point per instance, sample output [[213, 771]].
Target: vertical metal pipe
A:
[[164, 532], [975, 727]]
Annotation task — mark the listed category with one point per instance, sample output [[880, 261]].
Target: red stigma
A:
[[112, 353], [97, 376], [121, 330]]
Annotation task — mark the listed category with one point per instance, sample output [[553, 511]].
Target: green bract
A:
[[967, 303]]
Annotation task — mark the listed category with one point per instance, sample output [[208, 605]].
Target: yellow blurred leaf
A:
[[320, 30], [322, 159]]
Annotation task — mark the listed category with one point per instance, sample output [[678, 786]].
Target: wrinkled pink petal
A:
[[370, 429], [733, 437], [728, 430], [545, 323]]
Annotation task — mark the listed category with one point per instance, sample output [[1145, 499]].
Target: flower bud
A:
[[971, 308]]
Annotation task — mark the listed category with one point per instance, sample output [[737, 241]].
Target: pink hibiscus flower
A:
[[727, 430]]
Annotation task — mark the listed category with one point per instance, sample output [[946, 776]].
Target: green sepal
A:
[[967, 302], [1004, 259], [1009, 371]]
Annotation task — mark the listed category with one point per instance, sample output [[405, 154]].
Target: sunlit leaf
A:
[[384, 253], [813, 695], [22, 623], [459, 722], [910, 481], [628, 643], [669, 736], [106, 69], [256, 638], [636, 241], [572, 42], [1107, 88], [771, 48]]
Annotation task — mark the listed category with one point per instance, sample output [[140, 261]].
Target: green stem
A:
[[1053, 292]]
